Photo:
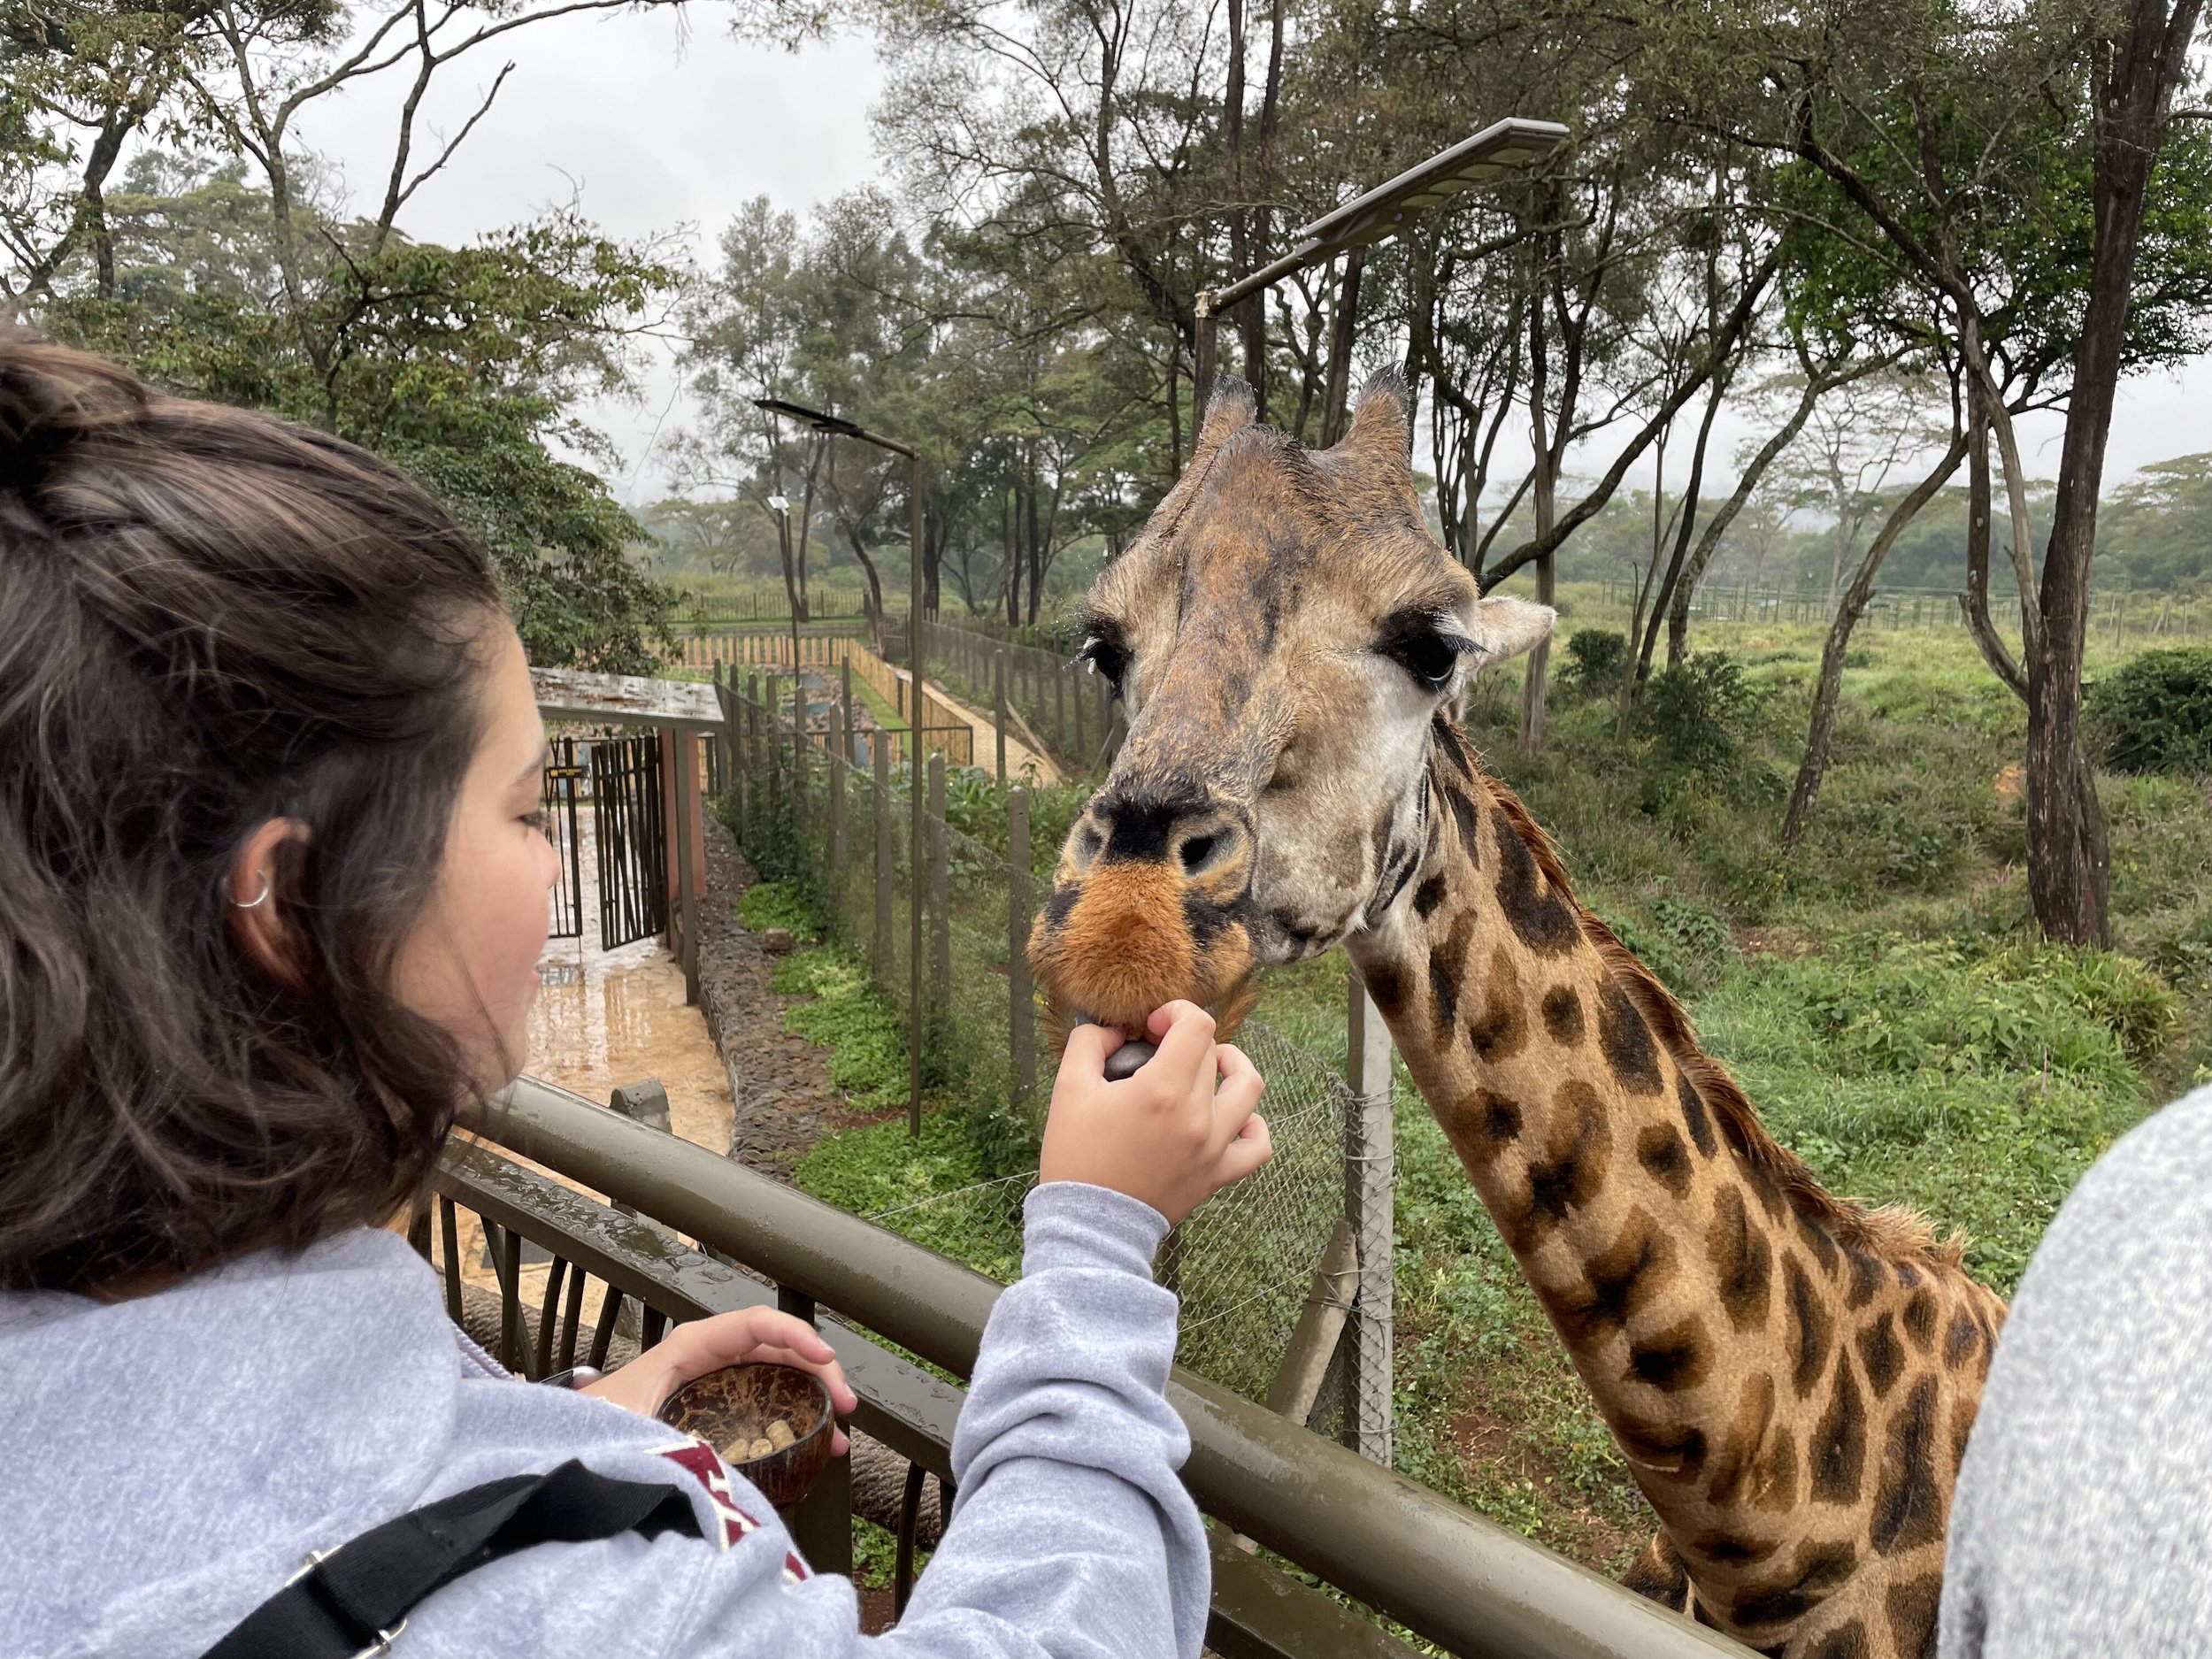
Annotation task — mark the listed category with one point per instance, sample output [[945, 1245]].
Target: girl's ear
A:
[[259, 923]]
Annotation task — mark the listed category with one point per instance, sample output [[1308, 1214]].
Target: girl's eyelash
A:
[[537, 820]]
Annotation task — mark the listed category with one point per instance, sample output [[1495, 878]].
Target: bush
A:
[[1699, 714], [2156, 713], [1596, 658]]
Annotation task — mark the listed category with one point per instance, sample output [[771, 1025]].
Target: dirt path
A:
[[784, 1101], [1019, 756]]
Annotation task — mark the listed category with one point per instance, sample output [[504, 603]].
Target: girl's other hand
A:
[[700, 1346], [1174, 1133]]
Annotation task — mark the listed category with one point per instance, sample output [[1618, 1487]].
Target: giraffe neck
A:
[[1706, 1288]]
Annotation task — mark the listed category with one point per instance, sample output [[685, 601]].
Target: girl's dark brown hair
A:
[[210, 618]]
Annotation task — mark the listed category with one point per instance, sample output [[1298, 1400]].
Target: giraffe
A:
[[1791, 1376]]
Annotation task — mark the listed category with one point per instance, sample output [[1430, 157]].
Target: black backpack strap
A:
[[354, 1599]]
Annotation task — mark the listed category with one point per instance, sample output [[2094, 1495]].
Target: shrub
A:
[[1700, 713], [1596, 658], [2156, 713]]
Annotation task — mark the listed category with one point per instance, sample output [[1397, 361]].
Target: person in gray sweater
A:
[[275, 892], [2083, 1519]]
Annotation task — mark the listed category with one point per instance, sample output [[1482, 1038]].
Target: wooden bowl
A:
[[733, 1410]]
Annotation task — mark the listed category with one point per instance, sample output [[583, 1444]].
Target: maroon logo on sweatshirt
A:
[[698, 1460]]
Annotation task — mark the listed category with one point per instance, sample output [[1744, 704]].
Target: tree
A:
[[243, 275], [2024, 172]]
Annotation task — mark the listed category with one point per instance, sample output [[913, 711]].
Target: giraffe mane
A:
[[1891, 1231]]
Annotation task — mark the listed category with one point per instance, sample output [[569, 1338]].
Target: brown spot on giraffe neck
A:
[[1499, 1029], [1625, 1042], [1562, 1016], [1911, 1505], [1838, 1447], [1743, 1262], [1619, 1282], [1659, 1149], [1880, 1352]]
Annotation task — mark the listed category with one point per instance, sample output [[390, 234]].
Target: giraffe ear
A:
[[1505, 628]]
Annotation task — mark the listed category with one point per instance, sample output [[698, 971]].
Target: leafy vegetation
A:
[[2155, 714]]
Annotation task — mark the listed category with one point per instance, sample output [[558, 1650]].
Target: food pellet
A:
[[760, 1447], [780, 1434]]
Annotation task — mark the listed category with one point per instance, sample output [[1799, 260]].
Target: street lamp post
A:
[[780, 505], [1488, 157], [837, 427]]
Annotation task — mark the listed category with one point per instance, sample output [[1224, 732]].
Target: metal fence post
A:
[[1022, 1014], [940, 896], [879, 765], [998, 710], [1369, 1155], [841, 735]]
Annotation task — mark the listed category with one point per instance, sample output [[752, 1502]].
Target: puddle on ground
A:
[[607, 1018]]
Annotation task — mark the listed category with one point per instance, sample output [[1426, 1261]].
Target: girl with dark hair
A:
[[272, 896]]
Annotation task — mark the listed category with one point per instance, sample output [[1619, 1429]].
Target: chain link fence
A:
[[815, 799]]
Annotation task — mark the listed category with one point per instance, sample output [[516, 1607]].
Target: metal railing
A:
[[1381, 1542]]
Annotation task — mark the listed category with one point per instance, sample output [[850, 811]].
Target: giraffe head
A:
[[1283, 634]]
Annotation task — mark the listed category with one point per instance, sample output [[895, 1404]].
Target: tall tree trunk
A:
[[1259, 181], [1850, 605], [1342, 333], [1663, 602], [1679, 612], [1544, 468], [1036, 547], [2069, 862], [1974, 601]]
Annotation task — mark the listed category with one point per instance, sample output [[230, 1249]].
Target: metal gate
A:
[[563, 783], [626, 810]]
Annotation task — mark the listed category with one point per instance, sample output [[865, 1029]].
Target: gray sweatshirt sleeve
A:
[[1073, 1537], [2082, 1520]]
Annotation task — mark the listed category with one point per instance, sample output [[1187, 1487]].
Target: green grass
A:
[[850, 1018]]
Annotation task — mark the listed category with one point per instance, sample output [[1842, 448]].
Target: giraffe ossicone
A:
[[1790, 1375]]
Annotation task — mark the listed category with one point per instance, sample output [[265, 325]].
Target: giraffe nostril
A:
[[1196, 851]]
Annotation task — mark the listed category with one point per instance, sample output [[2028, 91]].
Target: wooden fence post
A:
[[940, 896], [886, 874], [1081, 755], [1022, 1012], [1370, 1150]]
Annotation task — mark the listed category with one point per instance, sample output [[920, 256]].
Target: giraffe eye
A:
[[1429, 656], [1107, 657]]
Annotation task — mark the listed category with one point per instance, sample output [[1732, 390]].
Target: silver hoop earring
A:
[[258, 900]]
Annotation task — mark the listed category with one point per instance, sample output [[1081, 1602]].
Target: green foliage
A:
[[456, 363], [2155, 713], [1699, 714], [881, 1167], [767, 904], [1596, 659], [1977, 1086], [850, 1018], [1686, 943]]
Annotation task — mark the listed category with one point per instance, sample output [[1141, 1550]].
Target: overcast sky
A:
[[654, 124]]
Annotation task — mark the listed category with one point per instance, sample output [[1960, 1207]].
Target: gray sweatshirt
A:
[[2083, 1522], [166, 1463]]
